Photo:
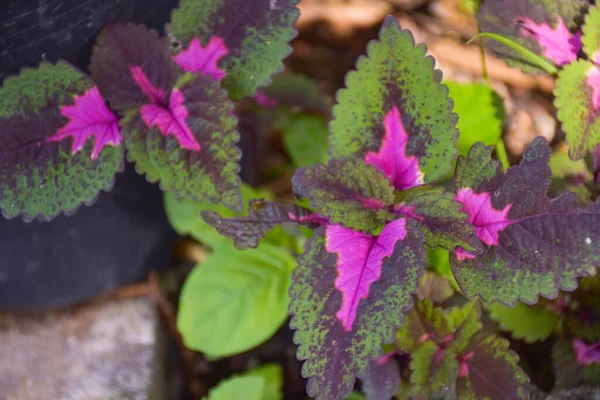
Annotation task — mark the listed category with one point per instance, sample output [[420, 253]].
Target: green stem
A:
[[484, 70], [527, 54], [502, 154]]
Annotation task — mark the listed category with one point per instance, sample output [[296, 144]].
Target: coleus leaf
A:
[[534, 245], [347, 192], [423, 322], [435, 288], [575, 363], [178, 128], [247, 231], [381, 380], [542, 26], [440, 217], [294, 91], [448, 355], [577, 93], [530, 323], [59, 143], [183, 215], [433, 370], [255, 36], [489, 370], [348, 295], [395, 114]]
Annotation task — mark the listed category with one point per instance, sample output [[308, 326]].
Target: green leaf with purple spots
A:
[[440, 217], [348, 296], [591, 34], [489, 370], [534, 245], [59, 143], [433, 370], [394, 113], [546, 27], [447, 355], [178, 128], [578, 103], [254, 37], [347, 192]]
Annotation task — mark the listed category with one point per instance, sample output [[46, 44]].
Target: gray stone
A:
[[102, 351]]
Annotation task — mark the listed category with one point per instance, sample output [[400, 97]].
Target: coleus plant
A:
[[375, 204], [561, 38], [166, 100]]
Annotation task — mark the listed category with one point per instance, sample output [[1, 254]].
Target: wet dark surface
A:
[[125, 234]]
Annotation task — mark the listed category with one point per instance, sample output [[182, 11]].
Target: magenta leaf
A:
[[534, 245], [381, 380], [60, 145], [247, 232], [203, 60], [339, 332], [178, 127], [347, 192], [548, 28]]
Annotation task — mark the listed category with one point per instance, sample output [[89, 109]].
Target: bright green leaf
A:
[[235, 300], [480, 114], [305, 139], [531, 323]]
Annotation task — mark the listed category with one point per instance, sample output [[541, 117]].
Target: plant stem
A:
[[502, 155]]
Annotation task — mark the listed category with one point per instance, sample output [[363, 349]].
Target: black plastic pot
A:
[[125, 234]]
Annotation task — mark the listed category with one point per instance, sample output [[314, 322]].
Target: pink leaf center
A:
[[89, 116], [264, 100], [202, 60], [586, 354], [488, 221], [402, 170], [464, 366], [171, 118], [558, 44], [360, 258]]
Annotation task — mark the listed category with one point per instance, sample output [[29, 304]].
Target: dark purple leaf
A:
[[534, 245], [489, 370], [247, 232], [381, 380], [546, 27]]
